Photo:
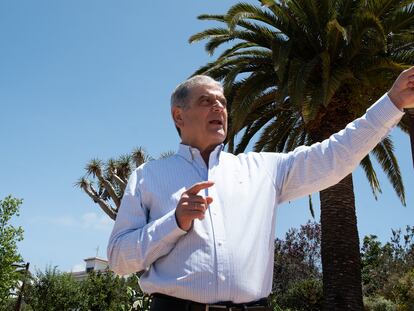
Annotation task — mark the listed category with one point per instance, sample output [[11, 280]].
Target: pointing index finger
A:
[[194, 189]]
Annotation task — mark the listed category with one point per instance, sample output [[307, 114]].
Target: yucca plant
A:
[[105, 183], [297, 71]]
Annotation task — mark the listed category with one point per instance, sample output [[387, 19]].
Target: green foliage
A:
[[297, 281], [297, 257], [377, 261], [305, 295], [53, 291], [105, 291], [388, 271], [383, 265], [9, 236], [379, 303], [403, 292]]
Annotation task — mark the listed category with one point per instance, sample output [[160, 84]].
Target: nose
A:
[[218, 106]]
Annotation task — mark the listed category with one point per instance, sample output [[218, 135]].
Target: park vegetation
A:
[[387, 279], [10, 258]]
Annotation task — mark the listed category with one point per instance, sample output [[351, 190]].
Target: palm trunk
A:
[[340, 248]]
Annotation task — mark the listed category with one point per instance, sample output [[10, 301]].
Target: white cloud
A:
[[93, 221]]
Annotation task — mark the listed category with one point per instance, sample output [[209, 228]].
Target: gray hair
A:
[[180, 95]]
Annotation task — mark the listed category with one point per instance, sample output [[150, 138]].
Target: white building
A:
[[91, 264]]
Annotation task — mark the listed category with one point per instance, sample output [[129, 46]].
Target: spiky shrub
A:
[[105, 182]]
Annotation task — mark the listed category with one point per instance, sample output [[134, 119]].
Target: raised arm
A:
[[311, 169]]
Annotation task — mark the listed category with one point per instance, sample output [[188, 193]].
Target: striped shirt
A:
[[228, 256]]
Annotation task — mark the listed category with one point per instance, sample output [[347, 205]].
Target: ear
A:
[[177, 116]]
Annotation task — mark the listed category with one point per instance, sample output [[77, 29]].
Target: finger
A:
[[194, 189], [209, 200], [197, 198], [188, 204], [197, 206], [193, 214]]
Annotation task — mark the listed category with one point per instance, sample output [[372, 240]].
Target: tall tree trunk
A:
[[341, 263]]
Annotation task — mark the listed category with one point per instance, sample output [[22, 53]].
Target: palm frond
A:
[[242, 11], [373, 181], [384, 153]]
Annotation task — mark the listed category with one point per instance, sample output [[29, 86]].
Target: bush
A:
[[304, 295], [105, 291], [9, 255], [53, 291], [379, 303], [404, 292]]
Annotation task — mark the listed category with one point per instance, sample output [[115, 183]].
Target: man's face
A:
[[203, 123]]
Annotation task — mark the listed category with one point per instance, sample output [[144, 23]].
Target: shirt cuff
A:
[[385, 112], [168, 228]]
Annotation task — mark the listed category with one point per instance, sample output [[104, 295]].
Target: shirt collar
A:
[[190, 153]]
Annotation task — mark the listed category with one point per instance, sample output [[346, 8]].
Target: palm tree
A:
[[295, 72]]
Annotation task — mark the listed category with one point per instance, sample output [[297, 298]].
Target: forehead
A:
[[206, 89]]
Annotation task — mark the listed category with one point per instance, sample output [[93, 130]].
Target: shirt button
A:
[[220, 243], [222, 277]]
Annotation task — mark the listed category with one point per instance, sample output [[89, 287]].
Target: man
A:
[[200, 224]]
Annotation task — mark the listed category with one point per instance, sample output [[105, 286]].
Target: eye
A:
[[205, 101]]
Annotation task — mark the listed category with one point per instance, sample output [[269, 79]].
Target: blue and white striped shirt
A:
[[228, 256]]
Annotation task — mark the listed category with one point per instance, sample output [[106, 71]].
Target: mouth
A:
[[216, 122]]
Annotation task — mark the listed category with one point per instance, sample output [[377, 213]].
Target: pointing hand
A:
[[192, 205]]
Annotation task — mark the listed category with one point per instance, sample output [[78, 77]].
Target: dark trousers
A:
[[166, 303], [162, 305]]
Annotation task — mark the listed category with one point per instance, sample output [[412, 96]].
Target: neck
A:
[[205, 154], [205, 151]]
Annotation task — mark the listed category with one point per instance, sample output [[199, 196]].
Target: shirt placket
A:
[[222, 272]]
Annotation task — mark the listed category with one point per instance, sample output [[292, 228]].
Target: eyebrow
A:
[[221, 98]]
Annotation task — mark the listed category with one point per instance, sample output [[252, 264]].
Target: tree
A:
[[9, 236], [295, 72], [111, 179], [384, 266], [297, 257], [106, 291], [297, 269], [53, 291]]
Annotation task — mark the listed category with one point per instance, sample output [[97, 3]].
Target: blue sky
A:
[[85, 79]]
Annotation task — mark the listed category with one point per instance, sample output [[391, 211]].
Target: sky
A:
[[92, 79]]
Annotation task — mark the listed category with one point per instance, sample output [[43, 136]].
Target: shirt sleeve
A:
[[313, 168], [134, 243]]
